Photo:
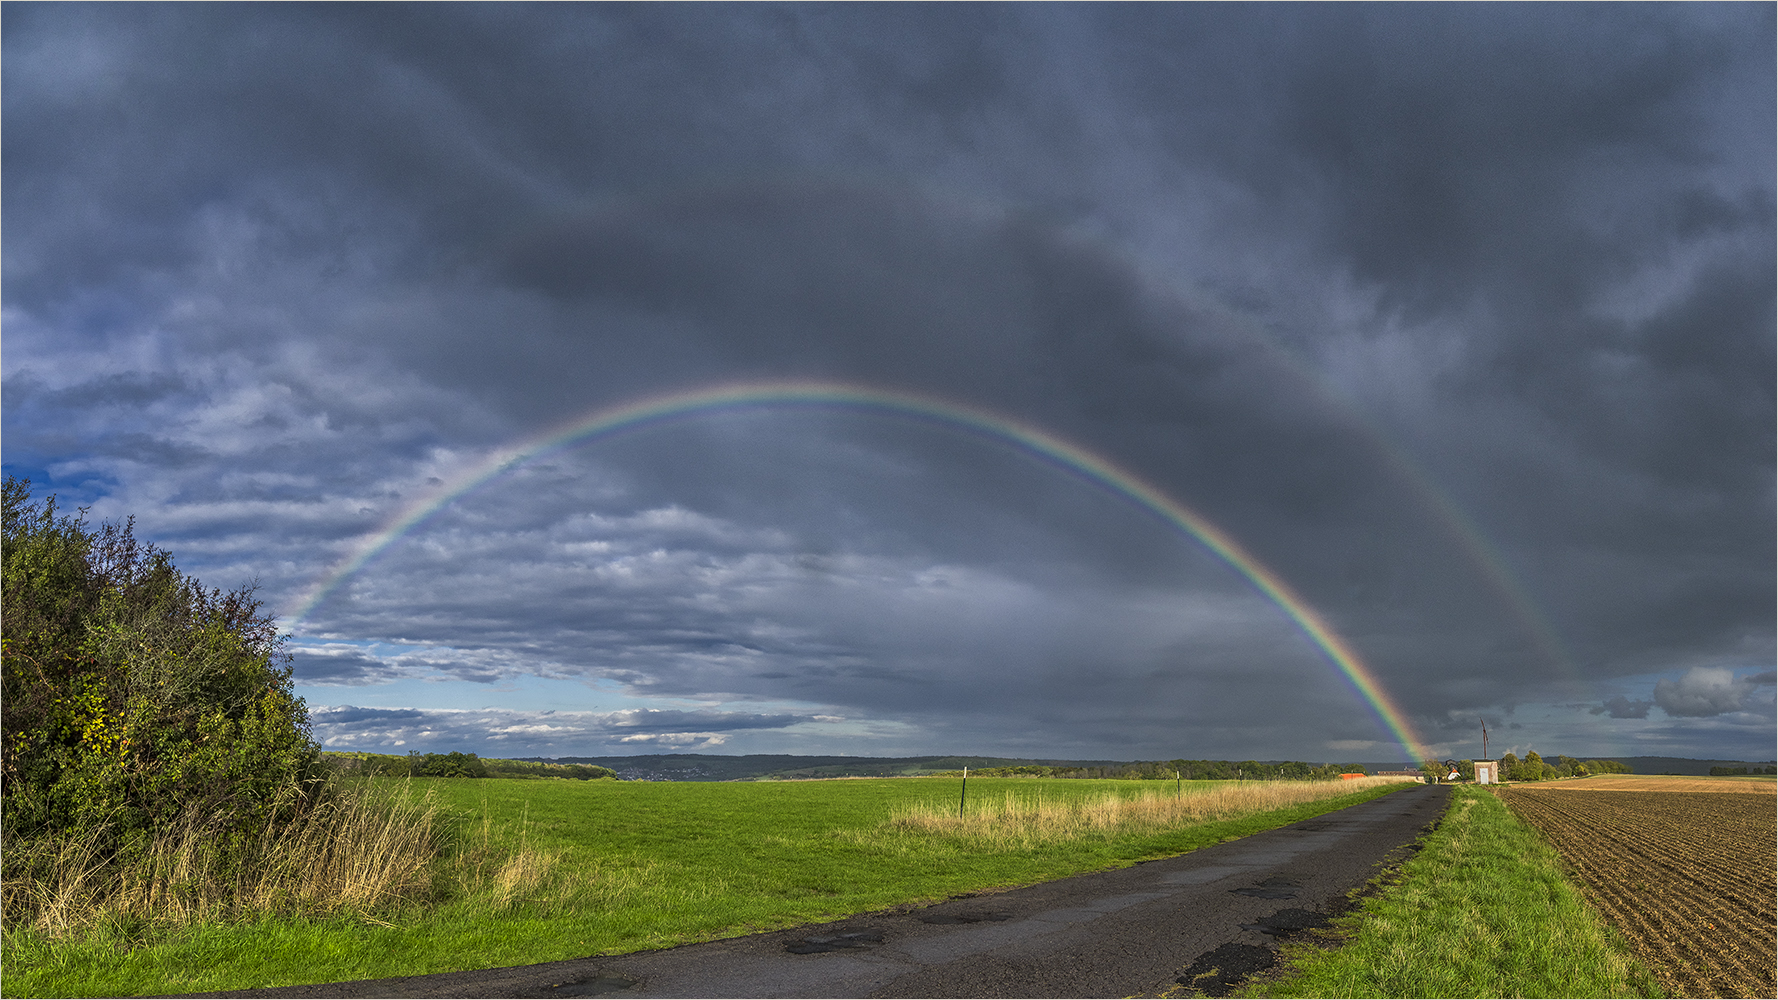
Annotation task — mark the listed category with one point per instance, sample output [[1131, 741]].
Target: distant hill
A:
[[755, 767], [1640, 765], [719, 767], [1681, 765]]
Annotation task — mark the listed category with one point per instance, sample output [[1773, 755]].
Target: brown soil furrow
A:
[[1710, 870], [1688, 877]]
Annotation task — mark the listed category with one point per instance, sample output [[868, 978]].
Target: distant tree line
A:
[[1168, 770], [458, 765], [1722, 772], [1535, 768], [1532, 768]]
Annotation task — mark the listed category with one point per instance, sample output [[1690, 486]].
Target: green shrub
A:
[[133, 697]]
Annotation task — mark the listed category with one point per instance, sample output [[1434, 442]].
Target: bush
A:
[[134, 699]]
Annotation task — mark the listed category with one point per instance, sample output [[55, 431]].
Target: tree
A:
[[1532, 768], [134, 697]]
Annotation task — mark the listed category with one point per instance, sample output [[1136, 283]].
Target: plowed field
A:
[[1663, 783], [1689, 878]]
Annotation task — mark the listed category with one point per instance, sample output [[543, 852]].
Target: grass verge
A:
[[1482, 910], [541, 871], [1022, 818]]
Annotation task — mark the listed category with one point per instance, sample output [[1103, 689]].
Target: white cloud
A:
[[1706, 691]]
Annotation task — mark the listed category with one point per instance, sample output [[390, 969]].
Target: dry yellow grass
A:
[[1018, 821], [353, 851]]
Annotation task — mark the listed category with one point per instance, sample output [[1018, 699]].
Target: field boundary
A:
[[1480, 907], [1687, 877]]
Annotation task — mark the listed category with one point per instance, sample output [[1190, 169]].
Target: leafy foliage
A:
[[133, 697]]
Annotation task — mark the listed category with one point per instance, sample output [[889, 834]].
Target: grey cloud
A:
[[660, 719], [337, 666], [497, 732], [1706, 691], [1620, 707], [1267, 258]]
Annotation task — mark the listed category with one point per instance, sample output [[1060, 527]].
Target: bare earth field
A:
[[1750, 785], [1688, 874]]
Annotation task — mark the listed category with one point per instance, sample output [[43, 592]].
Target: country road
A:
[[1128, 932]]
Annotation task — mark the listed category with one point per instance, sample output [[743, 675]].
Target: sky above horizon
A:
[[1457, 318]]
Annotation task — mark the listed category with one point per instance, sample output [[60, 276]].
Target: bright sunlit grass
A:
[[545, 870], [1482, 910], [1020, 819]]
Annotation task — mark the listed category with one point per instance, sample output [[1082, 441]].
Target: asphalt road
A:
[[1129, 932]]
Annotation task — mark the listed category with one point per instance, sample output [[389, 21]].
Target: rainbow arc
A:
[[1074, 459]]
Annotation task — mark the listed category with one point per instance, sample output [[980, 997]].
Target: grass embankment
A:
[[1482, 910], [567, 869]]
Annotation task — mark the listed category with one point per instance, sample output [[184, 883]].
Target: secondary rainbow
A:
[[1069, 457]]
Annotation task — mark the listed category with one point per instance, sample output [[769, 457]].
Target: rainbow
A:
[[1071, 458]]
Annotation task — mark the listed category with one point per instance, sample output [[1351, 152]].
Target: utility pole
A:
[[1485, 740]]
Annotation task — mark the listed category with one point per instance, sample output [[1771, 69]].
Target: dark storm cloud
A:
[[274, 273]]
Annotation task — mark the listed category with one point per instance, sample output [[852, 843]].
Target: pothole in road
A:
[[1287, 922], [592, 987], [845, 941], [1217, 973]]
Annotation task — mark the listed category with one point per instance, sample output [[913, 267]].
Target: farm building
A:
[[1487, 772]]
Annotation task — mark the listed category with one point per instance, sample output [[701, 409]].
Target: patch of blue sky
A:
[[379, 678], [74, 484]]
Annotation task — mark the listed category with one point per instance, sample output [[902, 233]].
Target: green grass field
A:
[[547, 870], [1483, 910]]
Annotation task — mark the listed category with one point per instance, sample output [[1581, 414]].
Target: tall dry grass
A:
[[1026, 819], [353, 849], [502, 872]]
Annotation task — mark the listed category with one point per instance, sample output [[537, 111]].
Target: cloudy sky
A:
[[1458, 318]]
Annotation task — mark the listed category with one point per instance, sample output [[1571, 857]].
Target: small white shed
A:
[[1487, 772]]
